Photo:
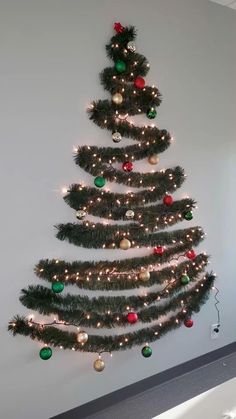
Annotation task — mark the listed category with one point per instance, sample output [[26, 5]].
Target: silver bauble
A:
[[116, 136], [129, 214], [131, 46], [80, 214]]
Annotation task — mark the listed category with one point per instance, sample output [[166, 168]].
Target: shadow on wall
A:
[[217, 403]]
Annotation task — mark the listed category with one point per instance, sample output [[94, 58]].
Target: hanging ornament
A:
[[188, 323], [154, 159], [146, 351], [57, 287], [118, 27], [144, 275], [80, 214], [139, 82], [129, 214], [45, 353], [127, 166], [117, 98], [190, 254], [151, 113], [120, 66], [168, 200], [82, 337], [188, 215], [99, 365], [158, 250], [125, 244], [131, 46], [185, 279], [116, 136], [99, 181], [132, 317]]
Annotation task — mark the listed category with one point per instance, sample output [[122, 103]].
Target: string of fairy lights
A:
[[174, 265]]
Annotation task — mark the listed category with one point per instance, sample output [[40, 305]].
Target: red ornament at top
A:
[[168, 200], [127, 166], [139, 82], [132, 317], [158, 250], [190, 254], [188, 323], [118, 27]]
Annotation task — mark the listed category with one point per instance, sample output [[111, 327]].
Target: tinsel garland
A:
[[159, 215], [96, 343], [85, 276], [39, 298], [88, 236]]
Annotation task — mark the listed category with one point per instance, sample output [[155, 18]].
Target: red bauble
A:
[[190, 254], [188, 323], [158, 250], [132, 317], [139, 82], [118, 27], [168, 200], [127, 166]]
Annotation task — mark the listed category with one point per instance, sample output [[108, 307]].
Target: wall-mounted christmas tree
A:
[[169, 284]]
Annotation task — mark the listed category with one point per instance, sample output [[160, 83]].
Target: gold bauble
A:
[[82, 337], [99, 365], [117, 98], [144, 275], [154, 159], [125, 244]]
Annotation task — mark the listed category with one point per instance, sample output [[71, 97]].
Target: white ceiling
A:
[[228, 3]]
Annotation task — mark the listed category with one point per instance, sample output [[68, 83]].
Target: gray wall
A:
[[51, 54]]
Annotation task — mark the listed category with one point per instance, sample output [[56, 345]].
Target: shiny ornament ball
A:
[[99, 365], [57, 287], [154, 159], [125, 244], [127, 166], [132, 317], [80, 214], [158, 250], [129, 214], [188, 323], [99, 181], [45, 353], [190, 254], [139, 82], [151, 113], [188, 215], [120, 66], [144, 275], [118, 27], [168, 200], [117, 98], [116, 136], [146, 351], [185, 279], [82, 337], [131, 46]]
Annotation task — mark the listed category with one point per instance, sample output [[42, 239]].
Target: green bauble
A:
[[146, 351], [120, 66], [185, 279], [188, 215], [151, 113], [45, 353], [99, 181], [57, 287]]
